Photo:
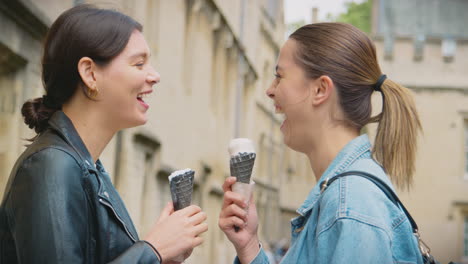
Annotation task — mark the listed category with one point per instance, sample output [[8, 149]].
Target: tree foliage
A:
[[358, 15], [291, 27]]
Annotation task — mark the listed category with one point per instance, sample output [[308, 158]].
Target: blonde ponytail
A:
[[396, 140]]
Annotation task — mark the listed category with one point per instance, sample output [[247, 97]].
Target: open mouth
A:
[[141, 96], [279, 111]]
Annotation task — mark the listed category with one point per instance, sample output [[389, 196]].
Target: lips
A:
[[142, 95], [279, 110]]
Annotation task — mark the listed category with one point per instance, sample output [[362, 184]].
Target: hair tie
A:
[[378, 85]]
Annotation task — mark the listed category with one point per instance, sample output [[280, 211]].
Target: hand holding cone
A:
[[241, 166]]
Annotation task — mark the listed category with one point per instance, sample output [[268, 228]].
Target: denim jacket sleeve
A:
[[370, 244], [261, 258], [49, 214]]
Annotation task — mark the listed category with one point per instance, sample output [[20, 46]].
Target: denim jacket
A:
[[59, 207], [352, 221]]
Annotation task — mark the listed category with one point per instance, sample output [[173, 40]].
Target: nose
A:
[[270, 91], [153, 76]]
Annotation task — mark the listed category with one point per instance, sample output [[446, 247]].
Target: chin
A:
[[141, 122], [137, 122]]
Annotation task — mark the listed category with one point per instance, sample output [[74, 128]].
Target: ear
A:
[[322, 90], [87, 71]]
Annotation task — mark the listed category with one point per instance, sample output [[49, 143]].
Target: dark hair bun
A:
[[36, 114]]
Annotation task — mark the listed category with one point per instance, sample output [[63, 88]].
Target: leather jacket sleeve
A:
[[48, 213]]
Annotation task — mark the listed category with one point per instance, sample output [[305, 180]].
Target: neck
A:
[[331, 141], [91, 128]]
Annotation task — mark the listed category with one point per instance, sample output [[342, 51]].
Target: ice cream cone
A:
[[241, 166], [181, 184]]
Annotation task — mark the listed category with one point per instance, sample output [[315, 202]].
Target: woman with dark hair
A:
[[59, 205], [325, 76]]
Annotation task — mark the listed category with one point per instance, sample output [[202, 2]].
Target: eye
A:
[[277, 77], [140, 65]]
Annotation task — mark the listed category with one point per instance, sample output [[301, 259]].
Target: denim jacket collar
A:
[[64, 127], [355, 149]]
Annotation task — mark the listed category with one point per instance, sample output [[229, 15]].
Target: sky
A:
[[296, 10]]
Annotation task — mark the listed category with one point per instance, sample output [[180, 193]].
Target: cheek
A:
[[291, 93], [126, 82]]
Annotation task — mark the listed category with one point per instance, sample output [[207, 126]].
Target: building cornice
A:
[[9, 60], [269, 38], [428, 39], [237, 41], [461, 89], [27, 16]]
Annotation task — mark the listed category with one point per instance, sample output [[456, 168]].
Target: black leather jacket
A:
[[59, 208]]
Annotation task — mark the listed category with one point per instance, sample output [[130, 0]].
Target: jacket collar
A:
[[60, 123], [354, 150]]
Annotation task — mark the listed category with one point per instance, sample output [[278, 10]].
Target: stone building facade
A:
[[216, 59], [423, 44]]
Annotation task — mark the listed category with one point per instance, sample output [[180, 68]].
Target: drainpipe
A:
[[240, 71], [118, 157]]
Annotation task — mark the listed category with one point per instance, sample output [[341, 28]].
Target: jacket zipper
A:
[[115, 213]]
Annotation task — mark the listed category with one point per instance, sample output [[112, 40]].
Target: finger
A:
[[198, 218], [197, 241], [167, 211], [201, 228], [232, 197], [189, 210], [228, 182], [234, 210], [229, 223]]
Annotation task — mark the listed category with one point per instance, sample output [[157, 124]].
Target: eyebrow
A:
[[140, 54]]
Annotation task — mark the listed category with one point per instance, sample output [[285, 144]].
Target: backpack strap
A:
[[425, 250], [381, 184]]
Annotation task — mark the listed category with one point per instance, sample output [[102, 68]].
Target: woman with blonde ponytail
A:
[[326, 75]]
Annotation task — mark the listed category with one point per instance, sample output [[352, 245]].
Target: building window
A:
[[389, 44], [465, 238], [419, 43], [449, 47], [139, 189], [163, 190], [270, 10], [466, 148]]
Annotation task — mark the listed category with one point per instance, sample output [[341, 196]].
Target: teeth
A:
[[141, 96]]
